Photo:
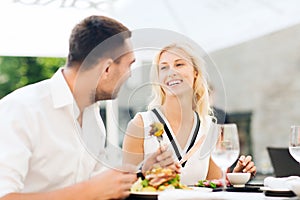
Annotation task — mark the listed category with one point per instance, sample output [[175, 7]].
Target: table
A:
[[199, 195]]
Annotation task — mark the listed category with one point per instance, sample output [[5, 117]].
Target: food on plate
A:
[[158, 179], [215, 183]]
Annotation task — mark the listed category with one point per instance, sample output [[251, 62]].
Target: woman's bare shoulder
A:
[[136, 126]]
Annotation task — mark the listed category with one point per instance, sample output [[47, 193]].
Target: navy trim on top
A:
[[171, 137]]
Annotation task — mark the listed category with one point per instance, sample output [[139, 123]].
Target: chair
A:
[[283, 163]]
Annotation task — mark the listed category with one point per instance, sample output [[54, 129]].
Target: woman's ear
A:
[[195, 73]]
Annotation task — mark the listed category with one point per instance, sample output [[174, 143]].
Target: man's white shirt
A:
[[42, 144]]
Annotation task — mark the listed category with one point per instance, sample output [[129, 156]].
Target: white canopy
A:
[[42, 27]]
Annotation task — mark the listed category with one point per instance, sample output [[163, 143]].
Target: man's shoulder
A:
[[27, 95]]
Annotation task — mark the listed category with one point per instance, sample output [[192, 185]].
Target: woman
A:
[[181, 101]]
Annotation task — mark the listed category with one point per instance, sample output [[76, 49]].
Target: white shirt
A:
[[196, 167], [41, 140]]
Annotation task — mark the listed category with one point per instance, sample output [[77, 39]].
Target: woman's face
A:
[[176, 73]]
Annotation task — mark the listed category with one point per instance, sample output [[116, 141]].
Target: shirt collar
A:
[[61, 93]]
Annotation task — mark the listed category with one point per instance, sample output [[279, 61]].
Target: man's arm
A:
[[110, 184], [18, 140]]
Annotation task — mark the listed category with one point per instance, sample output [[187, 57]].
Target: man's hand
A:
[[112, 184]]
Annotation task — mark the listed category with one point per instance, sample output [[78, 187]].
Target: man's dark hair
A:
[[91, 32]]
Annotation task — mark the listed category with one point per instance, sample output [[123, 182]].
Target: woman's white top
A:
[[196, 168]]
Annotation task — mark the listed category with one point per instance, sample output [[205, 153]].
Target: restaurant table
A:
[[198, 195]]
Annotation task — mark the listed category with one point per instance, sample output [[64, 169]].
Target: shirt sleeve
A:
[[15, 145]]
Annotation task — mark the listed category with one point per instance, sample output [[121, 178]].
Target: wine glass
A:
[[294, 144], [227, 148]]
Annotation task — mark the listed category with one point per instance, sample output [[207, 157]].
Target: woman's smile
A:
[[174, 82]]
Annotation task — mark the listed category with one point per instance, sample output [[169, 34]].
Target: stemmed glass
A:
[[294, 142], [227, 148]]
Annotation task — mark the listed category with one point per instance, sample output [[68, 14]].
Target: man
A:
[[43, 126]]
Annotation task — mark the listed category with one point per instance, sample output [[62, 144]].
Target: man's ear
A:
[[107, 65]]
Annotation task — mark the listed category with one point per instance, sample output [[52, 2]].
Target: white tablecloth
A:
[[200, 195]]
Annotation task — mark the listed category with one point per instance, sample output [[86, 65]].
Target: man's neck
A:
[[79, 87]]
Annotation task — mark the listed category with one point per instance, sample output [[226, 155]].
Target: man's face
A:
[[117, 74]]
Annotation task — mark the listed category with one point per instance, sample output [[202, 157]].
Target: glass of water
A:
[[227, 148], [294, 142]]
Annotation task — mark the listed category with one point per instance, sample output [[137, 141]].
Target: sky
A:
[[43, 29]]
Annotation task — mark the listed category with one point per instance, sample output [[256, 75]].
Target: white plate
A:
[[202, 189], [145, 193], [275, 189]]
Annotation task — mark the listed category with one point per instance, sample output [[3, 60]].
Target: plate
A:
[[275, 189], [273, 193], [154, 195], [278, 192], [244, 189], [143, 195], [201, 189]]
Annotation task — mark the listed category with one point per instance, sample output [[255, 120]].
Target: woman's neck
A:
[[180, 115], [176, 108]]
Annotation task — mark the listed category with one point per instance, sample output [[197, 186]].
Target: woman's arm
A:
[[214, 172], [133, 143], [133, 149]]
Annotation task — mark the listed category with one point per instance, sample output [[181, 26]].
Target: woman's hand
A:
[[245, 164], [163, 158]]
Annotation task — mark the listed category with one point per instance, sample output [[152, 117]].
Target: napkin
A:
[[279, 183]]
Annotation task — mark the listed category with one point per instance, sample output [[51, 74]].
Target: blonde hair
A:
[[200, 87]]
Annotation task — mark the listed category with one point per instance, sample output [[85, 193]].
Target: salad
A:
[[215, 183], [158, 179]]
